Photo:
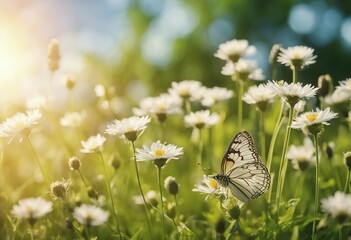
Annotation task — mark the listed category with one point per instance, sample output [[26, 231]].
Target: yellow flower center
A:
[[311, 117], [159, 152], [213, 183]]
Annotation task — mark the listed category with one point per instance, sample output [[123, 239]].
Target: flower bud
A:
[[273, 56], [54, 55], [347, 160], [324, 85], [220, 225], [92, 193], [171, 185], [59, 189], [69, 82], [115, 163], [74, 163], [171, 210]]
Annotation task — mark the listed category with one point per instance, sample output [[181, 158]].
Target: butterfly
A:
[[242, 170]]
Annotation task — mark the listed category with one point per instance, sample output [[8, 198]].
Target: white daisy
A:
[[302, 156], [259, 95], [185, 89], [31, 208], [311, 122], [209, 186], [211, 96], [90, 215], [339, 96], [159, 151], [72, 119], [297, 57], [19, 125], [128, 128], [338, 206], [292, 92], [345, 86], [93, 144], [234, 49], [243, 69], [161, 106], [201, 119], [150, 197]]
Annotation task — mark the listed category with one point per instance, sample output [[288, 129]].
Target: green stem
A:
[[37, 159], [263, 137], [283, 163], [83, 179], [274, 136], [199, 157], [294, 75], [110, 194], [347, 181], [274, 71], [316, 197], [175, 226], [141, 191], [340, 231], [161, 195], [187, 106], [240, 103]]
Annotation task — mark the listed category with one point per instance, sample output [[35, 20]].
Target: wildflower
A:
[[72, 119], [35, 102], [90, 215], [338, 206], [171, 210], [209, 186], [328, 148], [161, 106], [128, 128], [171, 185], [325, 83], [232, 207], [312, 122], [297, 57], [273, 56], [54, 55], [338, 97], [185, 89], [243, 70], [259, 95], [59, 189], [74, 163], [347, 159], [150, 197], [211, 96], [233, 50], [292, 92], [201, 119], [31, 209], [159, 153], [69, 82], [19, 125], [302, 156], [115, 162], [345, 86], [93, 144]]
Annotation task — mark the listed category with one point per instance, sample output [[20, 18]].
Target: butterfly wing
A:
[[248, 177], [249, 181], [240, 151]]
